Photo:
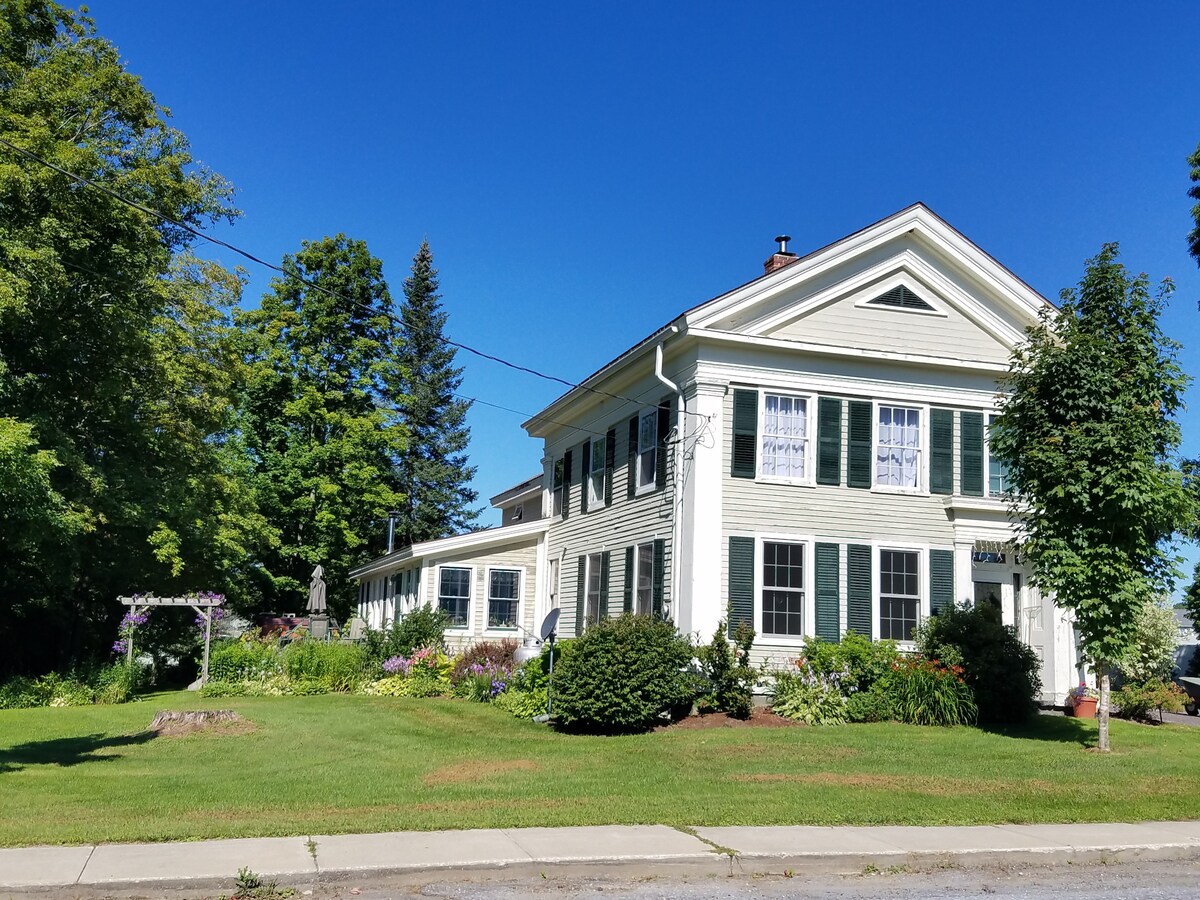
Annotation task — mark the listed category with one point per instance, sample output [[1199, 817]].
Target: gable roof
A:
[[914, 219]]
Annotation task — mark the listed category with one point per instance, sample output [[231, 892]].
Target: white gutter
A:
[[676, 519]]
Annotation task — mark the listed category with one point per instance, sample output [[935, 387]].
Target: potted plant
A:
[[1081, 702]]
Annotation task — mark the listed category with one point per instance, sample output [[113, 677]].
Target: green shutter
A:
[[628, 591], [941, 451], [829, 601], [745, 434], [829, 440], [585, 468], [860, 452], [631, 458], [604, 584], [858, 589], [941, 580], [666, 420], [656, 578], [566, 501], [970, 440], [741, 582], [580, 586], [610, 463]]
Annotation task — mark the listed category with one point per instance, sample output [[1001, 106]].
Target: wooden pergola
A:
[[202, 605]]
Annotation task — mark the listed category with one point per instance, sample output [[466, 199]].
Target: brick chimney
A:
[[781, 257]]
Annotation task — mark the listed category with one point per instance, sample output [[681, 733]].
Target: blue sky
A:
[[584, 172]]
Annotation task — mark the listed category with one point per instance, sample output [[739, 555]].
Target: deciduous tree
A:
[[1089, 434], [321, 427]]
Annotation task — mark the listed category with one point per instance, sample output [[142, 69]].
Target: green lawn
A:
[[330, 764]]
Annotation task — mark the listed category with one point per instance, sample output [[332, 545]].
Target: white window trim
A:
[[922, 551], [922, 488], [810, 415], [810, 610], [469, 628], [587, 581], [637, 548], [639, 488], [595, 503], [987, 458], [488, 630]]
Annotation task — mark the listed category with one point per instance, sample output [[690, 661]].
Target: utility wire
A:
[[133, 204]]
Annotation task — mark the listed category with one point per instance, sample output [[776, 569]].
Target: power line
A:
[[133, 204]]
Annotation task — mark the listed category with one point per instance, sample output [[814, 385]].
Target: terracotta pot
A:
[[1083, 708]]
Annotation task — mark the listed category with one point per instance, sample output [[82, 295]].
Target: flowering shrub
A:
[[1000, 669], [244, 661], [112, 684], [811, 696], [864, 661], [924, 692], [425, 674]]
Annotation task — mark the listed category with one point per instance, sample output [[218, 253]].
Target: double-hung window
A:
[[997, 483], [898, 447], [647, 450], [783, 589], [899, 594], [504, 594], [454, 595], [591, 607], [558, 492], [596, 474], [784, 440], [643, 600]]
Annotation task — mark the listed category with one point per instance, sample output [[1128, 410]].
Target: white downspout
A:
[[677, 517]]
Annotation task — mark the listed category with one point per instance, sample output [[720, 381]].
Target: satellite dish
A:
[[549, 624]]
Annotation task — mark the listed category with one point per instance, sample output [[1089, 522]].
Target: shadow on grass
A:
[[69, 751], [1062, 729]]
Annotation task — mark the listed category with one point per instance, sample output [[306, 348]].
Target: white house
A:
[[807, 453]]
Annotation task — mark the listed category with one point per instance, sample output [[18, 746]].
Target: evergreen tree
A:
[[321, 431], [434, 475], [1194, 193]]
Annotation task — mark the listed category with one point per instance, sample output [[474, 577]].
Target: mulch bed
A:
[[760, 717]]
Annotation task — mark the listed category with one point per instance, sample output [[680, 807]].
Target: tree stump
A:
[[179, 721]]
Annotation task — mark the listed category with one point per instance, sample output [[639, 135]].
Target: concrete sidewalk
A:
[[800, 848]]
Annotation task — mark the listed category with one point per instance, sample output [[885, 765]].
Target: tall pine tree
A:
[[434, 475]]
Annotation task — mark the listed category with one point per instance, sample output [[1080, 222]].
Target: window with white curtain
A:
[[898, 447], [784, 437]]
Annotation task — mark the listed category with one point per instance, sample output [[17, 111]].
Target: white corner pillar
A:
[[701, 602]]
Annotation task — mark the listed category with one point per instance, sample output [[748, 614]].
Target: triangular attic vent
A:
[[901, 297]]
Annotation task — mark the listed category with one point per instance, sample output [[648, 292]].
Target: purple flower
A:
[[120, 646]]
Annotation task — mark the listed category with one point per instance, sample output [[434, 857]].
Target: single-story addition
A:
[[807, 453]]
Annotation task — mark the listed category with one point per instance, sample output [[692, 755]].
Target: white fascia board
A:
[[561, 411], [848, 386], [476, 540], [915, 359], [523, 491]]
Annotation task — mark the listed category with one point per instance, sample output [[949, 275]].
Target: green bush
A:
[[623, 674], [727, 679], [117, 683], [423, 627], [1138, 700], [244, 660], [224, 689], [874, 705], [1151, 657], [339, 667], [808, 696], [1001, 670], [922, 692], [522, 704], [863, 661]]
